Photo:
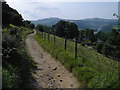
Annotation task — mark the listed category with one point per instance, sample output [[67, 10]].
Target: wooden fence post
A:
[[75, 48], [41, 34], [54, 36], [48, 37], [44, 36], [65, 42]]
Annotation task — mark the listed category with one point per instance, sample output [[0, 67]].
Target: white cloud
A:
[[35, 10], [62, 0], [76, 0], [2, 0]]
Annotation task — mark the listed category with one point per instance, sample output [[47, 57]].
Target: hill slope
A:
[[104, 25], [10, 15], [47, 21], [91, 68]]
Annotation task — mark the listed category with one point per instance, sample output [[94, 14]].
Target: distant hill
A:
[[47, 21], [98, 24]]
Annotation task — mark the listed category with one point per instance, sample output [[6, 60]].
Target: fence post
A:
[[44, 36], [65, 42], [41, 34], [75, 48], [48, 37], [54, 36]]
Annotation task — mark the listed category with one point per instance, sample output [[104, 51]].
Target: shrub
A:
[[15, 55], [10, 78]]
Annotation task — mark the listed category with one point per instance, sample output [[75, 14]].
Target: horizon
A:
[[73, 19]]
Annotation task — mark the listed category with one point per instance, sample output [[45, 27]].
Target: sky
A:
[[69, 9]]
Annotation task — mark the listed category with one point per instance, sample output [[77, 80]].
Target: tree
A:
[[116, 15], [66, 29], [81, 35], [99, 47], [106, 49], [74, 33], [60, 28], [28, 24], [11, 16], [40, 28], [111, 47], [101, 36], [89, 34], [114, 38], [32, 26]]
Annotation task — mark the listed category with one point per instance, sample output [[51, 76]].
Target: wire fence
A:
[[60, 42], [72, 46]]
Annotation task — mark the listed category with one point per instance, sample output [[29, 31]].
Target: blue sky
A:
[[34, 10]]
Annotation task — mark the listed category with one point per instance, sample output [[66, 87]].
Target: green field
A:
[[92, 69]]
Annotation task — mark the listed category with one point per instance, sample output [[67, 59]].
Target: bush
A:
[[10, 78], [15, 55]]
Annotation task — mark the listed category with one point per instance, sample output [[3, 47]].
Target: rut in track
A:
[[49, 72]]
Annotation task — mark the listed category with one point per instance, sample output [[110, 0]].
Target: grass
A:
[[10, 79], [16, 62], [91, 68]]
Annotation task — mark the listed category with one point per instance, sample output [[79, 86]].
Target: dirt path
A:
[[49, 73]]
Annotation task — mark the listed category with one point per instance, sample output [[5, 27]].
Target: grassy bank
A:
[[91, 68], [16, 62]]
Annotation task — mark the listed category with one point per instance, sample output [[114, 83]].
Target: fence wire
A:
[[58, 41]]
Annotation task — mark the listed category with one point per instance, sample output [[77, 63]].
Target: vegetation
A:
[[10, 15], [40, 28], [66, 29], [87, 34], [104, 25], [62, 29], [91, 68], [47, 21], [16, 62], [110, 44], [106, 43]]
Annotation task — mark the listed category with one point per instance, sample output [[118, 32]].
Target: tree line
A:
[[11, 16]]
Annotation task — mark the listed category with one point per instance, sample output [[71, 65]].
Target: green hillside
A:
[[104, 25], [91, 68], [16, 62], [10, 15], [47, 21]]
